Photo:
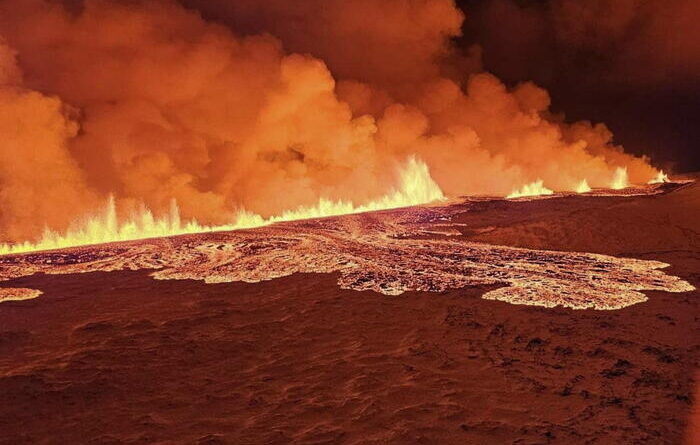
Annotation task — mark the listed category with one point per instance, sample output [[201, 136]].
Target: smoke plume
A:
[[262, 105]]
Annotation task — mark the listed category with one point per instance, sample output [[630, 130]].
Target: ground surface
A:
[[118, 357]]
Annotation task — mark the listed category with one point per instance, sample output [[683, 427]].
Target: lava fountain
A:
[[415, 187], [389, 252]]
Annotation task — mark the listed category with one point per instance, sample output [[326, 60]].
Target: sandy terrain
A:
[[118, 357]]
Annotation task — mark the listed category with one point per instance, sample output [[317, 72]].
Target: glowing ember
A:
[[388, 252], [415, 187], [620, 179], [536, 188], [660, 178], [583, 187]]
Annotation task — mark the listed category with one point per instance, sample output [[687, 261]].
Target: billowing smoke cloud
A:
[[38, 174], [392, 44], [271, 106]]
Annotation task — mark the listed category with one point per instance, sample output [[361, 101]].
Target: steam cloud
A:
[[262, 105]]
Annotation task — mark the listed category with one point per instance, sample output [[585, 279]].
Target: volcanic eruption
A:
[[147, 103], [328, 221]]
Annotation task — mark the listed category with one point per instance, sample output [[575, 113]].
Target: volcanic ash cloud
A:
[[223, 108]]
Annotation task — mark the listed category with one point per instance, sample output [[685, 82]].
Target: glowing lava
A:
[[536, 188], [620, 179], [388, 252], [660, 178], [18, 294], [416, 187], [583, 187]]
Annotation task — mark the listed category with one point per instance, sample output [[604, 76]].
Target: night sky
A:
[[638, 70]]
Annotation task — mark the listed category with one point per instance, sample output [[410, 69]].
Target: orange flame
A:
[[620, 179], [416, 187], [536, 188], [583, 187], [660, 178]]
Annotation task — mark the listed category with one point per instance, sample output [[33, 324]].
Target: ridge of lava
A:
[[390, 252]]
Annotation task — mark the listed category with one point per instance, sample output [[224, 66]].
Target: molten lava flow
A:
[[536, 188], [620, 179], [18, 294], [391, 253], [583, 187], [660, 178], [416, 187]]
